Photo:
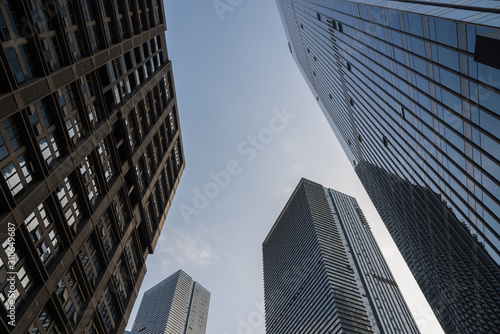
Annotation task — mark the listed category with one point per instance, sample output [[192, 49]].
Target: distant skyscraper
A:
[[324, 272], [90, 158], [177, 305], [412, 90]]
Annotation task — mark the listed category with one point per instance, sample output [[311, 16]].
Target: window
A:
[[69, 295], [15, 65], [73, 128], [446, 32], [49, 149], [120, 277], [28, 63], [106, 162], [4, 30], [108, 312], [8, 17], [121, 211], [12, 133], [4, 152], [106, 232], [45, 323], [17, 175], [24, 281], [341, 27], [69, 202], [43, 233], [90, 261], [74, 44], [319, 16], [132, 258], [87, 171], [413, 24]]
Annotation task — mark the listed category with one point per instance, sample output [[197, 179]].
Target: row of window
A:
[[43, 232], [440, 55], [21, 55]]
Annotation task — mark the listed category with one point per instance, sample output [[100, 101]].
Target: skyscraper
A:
[[176, 305], [90, 157], [324, 272], [413, 95]]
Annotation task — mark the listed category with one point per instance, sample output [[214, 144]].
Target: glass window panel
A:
[[415, 24], [454, 139], [448, 58], [446, 32], [490, 145], [450, 80], [471, 38], [392, 18], [489, 99], [491, 167], [490, 123], [452, 120], [488, 75], [3, 149], [420, 65]]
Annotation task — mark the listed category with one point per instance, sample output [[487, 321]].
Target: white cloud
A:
[[176, 248], [287, 191], [289, 147]]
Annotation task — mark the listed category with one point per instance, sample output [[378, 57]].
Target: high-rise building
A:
[[412, 91], [176, 305], [90, 157], [324, 272]]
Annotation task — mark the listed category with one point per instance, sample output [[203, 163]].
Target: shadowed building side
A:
[[90, 158]]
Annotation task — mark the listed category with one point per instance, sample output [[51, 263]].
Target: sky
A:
[[251, 130]]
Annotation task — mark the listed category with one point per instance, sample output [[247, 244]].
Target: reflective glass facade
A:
[[176, 305], [408, 91], [324, 272]]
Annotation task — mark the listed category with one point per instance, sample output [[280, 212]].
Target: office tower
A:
[[324, 272], [176, 305], [90, 157], [412, 89]]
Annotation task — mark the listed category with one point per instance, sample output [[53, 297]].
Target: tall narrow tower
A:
[[176, 305], [412, 91], [324, 273]]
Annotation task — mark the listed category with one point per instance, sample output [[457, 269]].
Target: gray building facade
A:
[[324, 272], [177, 305], [413, 96]]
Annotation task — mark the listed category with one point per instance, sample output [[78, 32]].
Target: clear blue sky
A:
[[232, 77]]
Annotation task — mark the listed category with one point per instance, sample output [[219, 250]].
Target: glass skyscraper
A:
[[412, 91], [176, 305], [324, 272]]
